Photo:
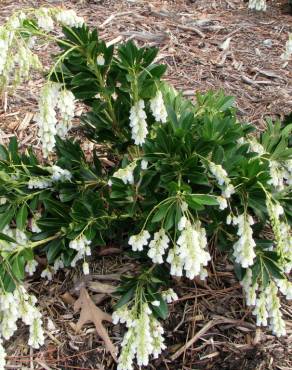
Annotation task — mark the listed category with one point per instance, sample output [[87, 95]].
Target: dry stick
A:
[[197, 336], [188, 28], [203, 331]]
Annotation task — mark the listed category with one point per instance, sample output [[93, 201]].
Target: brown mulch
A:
[[189, 35]]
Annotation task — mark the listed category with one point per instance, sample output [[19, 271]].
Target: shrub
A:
[[182, 175]]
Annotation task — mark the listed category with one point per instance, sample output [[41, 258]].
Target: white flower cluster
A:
[[256, 147], [23, 61], [138, 241], [59, 174], [138, 122], [282, 233], [4, 47], [259, 5], [249, 288], [15, 55], [281, 173], [66, 106], [222, 203], [49, 271], [285, 287], [69, 18], [126, 174], [19, 305], [47, 116], [158, 108], [52, 97], [222, 178], [266, 302], [34, 227], [143, 338], [169, 295], [288, 51], [15, 20], [100, 60], [82, 246], [39, 183], [190, 253], [44, 19], [17, 235], [31, 267], [244, 248], [158, 245]]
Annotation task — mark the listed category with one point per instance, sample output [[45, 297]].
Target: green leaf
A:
[[161, 212], [6, 238], [125, 298], [162, 310], [170, 218], [204, 199], [18, 267], [6, 217], [21, 217]]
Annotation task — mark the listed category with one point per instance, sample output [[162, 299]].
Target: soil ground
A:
[[190, 35]]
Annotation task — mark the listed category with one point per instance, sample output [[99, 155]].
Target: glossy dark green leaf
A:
[[21, 217]]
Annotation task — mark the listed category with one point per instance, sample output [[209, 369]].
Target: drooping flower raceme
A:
[[176, 261], [19, 305], [190, 252], [222, 178], [277, 324], [82, 246], [250, 288], [288, 51], [169, 295], [47, 116], [260, 310], [138, 122], [24, 61], [266, 301], [69, 18], [282, 233], [222, 203], [281, 173], [285, 287], [17, 235], [4, 47], [158, 108], [44, 19], [53, 98], [158, 245], [31, 267], [66, 106], [256, 147], [126, 174], [244, 248], [143, 338], [259, 5], [137, 242], [39, 183], [59, 174], [47, 273]]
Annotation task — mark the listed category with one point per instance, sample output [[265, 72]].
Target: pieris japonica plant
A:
[[179, 176]]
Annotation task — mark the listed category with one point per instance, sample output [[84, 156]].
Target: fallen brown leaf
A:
[[68, 299], [91, 313]]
